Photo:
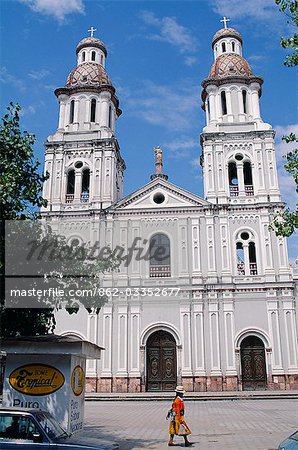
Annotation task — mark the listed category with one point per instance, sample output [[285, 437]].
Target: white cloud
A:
[[172, 107], [12, 80], [235, 9], [57, 8], [286, 182], [170, 31], [38, 74], [181, 147]]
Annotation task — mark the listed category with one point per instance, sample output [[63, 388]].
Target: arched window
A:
[[70, 187], [93, 110], [240, 259], [246, 254], [160, 264], [223, 47], [244, 99], [233, 46], [83, 56], [223, 103], [85, 186], [93, 55], [71, 111], [101, 60], [247, 175], [110, 117], [233, 179], [252, 258]]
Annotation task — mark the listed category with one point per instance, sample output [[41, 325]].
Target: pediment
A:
[[159, 193]]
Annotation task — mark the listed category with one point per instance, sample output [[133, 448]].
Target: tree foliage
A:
[[20, 199], [286, 223], [290, 9]]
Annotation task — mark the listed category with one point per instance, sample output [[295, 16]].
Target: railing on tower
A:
[[69, 198], [253, 269], [234, 191], [249, 190], [160, 271], [84, 197], [241, 268]]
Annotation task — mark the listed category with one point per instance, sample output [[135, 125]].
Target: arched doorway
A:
[[253, 364], [161, 362]]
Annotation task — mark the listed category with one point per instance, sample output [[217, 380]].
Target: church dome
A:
[[226, 32], [88, 74], [230, 65], [91, 42]]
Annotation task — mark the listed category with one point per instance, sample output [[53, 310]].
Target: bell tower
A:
[[238, 147], [83, 157]]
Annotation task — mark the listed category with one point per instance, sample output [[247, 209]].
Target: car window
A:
[[14, 426], [50, 426], [295, 436]]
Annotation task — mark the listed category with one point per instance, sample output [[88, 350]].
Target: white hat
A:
[[180, 389]]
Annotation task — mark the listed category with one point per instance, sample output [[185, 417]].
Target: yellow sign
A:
[[77, 380], [36, 379]]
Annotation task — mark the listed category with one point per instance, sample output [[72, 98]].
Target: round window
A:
[[75, 242], [239, 157], [78, 164], [244, 236], [159, 198]]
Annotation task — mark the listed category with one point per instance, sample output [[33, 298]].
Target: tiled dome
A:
[[229, 65], [226, 32], [88, 74], [91, 42]]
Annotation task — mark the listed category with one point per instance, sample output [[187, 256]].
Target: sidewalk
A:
[[198, 396]]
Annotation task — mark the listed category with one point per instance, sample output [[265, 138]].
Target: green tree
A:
[[62, 266], [286, 223]]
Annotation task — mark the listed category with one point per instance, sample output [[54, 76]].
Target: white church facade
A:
[[217, 311]]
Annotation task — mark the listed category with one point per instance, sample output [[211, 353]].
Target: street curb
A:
[[93, 397]]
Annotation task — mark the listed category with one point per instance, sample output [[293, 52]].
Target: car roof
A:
[[23, 410]]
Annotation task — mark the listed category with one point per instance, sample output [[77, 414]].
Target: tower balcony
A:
[[69, 198], [84, 197], [160, 271], [234, 191], [249, 190]]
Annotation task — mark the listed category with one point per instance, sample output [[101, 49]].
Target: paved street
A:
[[238, 424]]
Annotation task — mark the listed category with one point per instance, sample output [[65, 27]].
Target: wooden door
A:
[[161, 362], [253, 364]]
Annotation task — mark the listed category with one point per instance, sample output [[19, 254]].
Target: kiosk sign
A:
[[36, 379]]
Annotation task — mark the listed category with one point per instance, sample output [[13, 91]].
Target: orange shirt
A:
[[178, 407]]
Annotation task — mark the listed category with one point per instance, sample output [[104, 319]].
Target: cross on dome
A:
[[225, 20], [92, 31]]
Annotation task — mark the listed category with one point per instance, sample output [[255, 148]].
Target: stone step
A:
[[197, 396]]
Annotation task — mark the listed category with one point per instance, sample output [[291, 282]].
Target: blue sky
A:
[[158, 54]]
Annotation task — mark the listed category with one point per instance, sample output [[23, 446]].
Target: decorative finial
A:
[[92, 31], [225, 20], [158, 160]]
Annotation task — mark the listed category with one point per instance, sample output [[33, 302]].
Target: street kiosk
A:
[[48, 372]]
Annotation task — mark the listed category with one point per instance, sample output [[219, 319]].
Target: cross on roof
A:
[[225, 20], [92, 31]]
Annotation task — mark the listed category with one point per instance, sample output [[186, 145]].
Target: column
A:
[[199, 352], [92, 337], [134, 318], [107, 343], [274, 332], [62, 118], [229, 106], [246, 258], [255, 101], [104, 110], [78, 185], [186, 340], [240, 177], [122, 341], [242, 115], [291, 336], [229, 326], [87, 112], [214, 339]]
